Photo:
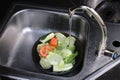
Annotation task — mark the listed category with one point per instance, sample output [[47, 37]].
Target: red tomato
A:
[[53, 42], [44, 49]]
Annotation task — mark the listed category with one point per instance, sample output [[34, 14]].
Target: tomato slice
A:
[[54, 42], [44, 49]]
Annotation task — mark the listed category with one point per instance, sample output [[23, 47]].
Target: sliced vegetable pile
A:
[[57, 51]]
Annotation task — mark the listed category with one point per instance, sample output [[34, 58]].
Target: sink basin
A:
[[26, 26]]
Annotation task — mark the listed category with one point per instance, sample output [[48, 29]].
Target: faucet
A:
[[92, 13]]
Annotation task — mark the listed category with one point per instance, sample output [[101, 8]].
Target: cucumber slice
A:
[[47, 37], [62, 67], [45, 64], [71, 40], [54, 59], [66, 53], [60, 36], [72, 48]]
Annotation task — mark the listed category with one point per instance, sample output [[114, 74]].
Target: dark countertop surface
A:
[[112, 74]]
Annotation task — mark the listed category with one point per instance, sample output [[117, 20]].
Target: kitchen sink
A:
[[26, 26]]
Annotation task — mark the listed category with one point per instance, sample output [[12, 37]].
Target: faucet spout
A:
[[91, 12]]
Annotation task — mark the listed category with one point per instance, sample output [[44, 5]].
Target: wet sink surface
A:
[[26, 26]]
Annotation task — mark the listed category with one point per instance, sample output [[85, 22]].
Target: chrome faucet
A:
[[91, 12]]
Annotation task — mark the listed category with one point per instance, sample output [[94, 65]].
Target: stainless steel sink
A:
[[26, 26]]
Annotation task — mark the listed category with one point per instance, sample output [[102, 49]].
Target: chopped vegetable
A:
[[45, 64], [66, 53], [63, 44], [53, 42], [57, 51], [54, 59], [62, 67], [71, 40], [43, 50], [70, 58], [40, 45], [72, 48], [47, 38], [60, 36]]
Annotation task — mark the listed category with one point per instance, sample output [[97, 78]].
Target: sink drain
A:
[[116, 43]]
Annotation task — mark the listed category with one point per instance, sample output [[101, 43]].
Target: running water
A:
[[70, 24]]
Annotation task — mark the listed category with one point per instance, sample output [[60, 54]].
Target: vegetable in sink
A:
[[57, 51]]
